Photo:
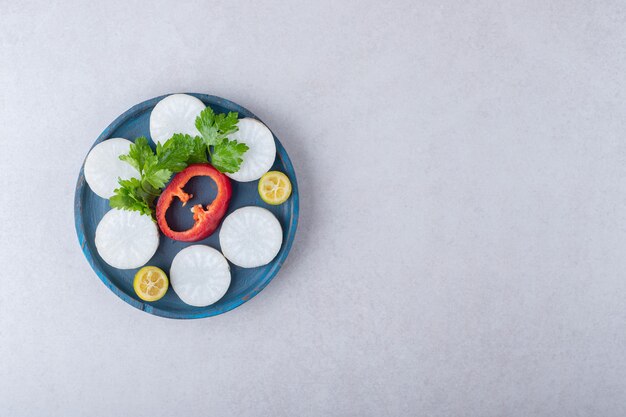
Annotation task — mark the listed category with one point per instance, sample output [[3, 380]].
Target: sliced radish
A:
[[260, 157], [175, 114], [251, 237], [103, 166], [200, 275], [126, 239]]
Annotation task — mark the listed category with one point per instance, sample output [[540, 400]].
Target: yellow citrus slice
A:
[[150, 283], [274, 188]]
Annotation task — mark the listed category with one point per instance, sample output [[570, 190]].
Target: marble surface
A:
[[462, 168]]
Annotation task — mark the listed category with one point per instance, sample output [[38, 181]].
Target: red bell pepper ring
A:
[[206, 221]]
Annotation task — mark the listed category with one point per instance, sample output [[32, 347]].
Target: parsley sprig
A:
[[226, 155], [156, 169]]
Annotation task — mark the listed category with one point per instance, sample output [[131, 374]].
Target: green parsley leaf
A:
[[226, 156], [158, 178], [173, 154], [198, 151], [215, 127], [138, 153], [205, 123], [227, 124], [128, 197], [193, 146]]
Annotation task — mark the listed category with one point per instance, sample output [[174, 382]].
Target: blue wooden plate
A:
[[245, 284]]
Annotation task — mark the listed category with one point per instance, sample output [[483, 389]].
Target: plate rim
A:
[[208, 99]]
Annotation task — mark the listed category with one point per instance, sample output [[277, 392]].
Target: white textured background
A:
[[462, 168]]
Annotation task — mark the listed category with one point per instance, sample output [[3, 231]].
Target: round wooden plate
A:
[[246, 283]]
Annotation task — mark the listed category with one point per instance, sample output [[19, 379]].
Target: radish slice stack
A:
[[251, 237], [103, 166], [200, 275], [175, 114], [260, 157], [126, 239]]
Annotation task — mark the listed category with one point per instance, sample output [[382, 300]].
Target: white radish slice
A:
[[175, 114], [103, 166], [260, 157], [200, 275], [251, 237], [126, 239]]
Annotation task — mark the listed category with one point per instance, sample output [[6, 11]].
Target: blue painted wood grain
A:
[[246, 283]]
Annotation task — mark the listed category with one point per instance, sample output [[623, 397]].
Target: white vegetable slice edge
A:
[[251, 237], [126, 239], [175, 114], [200, 275], [103, 166], [260, 156]]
